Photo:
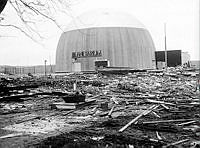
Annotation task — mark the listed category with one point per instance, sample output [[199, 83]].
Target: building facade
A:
[[114, 38]]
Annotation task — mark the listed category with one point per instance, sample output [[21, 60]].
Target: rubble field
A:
[[126, 110]]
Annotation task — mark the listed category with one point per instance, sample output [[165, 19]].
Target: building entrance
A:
[[76, 67]]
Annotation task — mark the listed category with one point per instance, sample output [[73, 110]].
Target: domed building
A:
[[104, 39]]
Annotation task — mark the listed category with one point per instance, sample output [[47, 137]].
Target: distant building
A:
[[103, 38], [174, 58]]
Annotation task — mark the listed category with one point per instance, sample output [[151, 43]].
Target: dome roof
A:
[[104, 18]]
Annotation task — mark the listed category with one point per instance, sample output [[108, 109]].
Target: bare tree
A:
[[2, 5], [32, 12]]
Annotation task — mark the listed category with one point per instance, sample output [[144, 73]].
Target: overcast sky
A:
[[181, 17]]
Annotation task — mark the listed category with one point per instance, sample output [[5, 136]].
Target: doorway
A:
[[76, 67]]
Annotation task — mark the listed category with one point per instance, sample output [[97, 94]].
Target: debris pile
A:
[[137, 109]]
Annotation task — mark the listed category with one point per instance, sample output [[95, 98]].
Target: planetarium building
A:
[[104, 39]]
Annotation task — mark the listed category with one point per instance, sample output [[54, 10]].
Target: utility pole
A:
[[34, 69], [45, 67], [51, 69], [5, 70], [165, 47]]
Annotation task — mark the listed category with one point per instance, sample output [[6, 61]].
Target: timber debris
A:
[[105, 109]]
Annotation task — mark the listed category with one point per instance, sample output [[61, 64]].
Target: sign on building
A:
[[84, 54]]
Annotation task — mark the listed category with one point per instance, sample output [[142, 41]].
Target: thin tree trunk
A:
[[2, 4]]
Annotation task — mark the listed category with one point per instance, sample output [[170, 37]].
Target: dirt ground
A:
[[166, 104]]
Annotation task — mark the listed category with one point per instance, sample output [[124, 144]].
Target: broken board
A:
[[68, 106]]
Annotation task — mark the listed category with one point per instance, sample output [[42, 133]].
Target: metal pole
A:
[[165, 47], [51, 68], [45, 68]]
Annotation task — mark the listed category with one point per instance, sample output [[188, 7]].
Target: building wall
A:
[[122, 46], [173, 57]]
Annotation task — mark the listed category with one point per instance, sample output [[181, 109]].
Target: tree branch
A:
[[20, 29], [30, 13], [2, 4]]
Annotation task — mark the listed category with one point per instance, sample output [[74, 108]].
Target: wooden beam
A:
[[186, 123], [166, 121], [176, 143], [159, 102], [111, 111], [138, 117]]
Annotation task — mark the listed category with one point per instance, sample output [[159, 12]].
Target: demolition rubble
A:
[[125, 109]]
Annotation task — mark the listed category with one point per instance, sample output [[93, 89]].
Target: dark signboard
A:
[[173, 57], [101, 63], [84, 54]]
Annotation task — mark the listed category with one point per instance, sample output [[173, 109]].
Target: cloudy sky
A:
[[181, 17]]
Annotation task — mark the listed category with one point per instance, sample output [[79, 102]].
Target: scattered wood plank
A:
[[165, 107], [159, 102], [186, 123], [11, 135], [93, 111], [176, 143], [111, 111], [155, 114], [165, 121], [158, 136], [94, 97], [63, 105], [138, 117]]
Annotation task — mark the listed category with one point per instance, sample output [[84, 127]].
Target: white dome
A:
[[104, 18]]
